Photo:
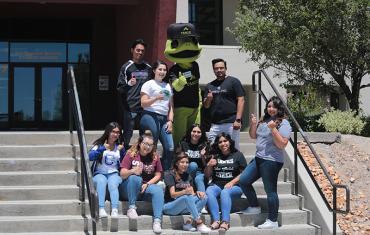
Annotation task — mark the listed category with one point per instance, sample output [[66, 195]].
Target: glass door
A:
[[37, 96]]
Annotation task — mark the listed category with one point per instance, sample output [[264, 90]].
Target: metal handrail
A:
[[294, 142], [75, 119]]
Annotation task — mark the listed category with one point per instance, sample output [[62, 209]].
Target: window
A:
[[206, 15]]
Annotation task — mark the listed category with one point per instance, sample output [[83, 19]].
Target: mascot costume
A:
[[183, 49]]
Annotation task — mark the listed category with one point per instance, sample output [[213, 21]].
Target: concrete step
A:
[[40, 192], [63, 137], [37, 164], [40, 151], [28, 224], [40, 207], [54, 224], [9, 178]]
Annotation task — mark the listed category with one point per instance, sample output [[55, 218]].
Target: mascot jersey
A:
[[189, 95]]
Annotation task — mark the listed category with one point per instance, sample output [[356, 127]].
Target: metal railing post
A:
[[295, 162]]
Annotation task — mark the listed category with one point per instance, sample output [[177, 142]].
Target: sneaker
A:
[[202, 228], [157, 226], [204, 211], [188, 227], [102, 213], [131, 213], [268, 225], [252, 210], [114, 213]]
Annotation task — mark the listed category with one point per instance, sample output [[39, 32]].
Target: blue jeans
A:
[[185, 204], [113, 180], [197, 175], [129, 120], [130, 190], [157, 124], [269, 171], [226, 197]]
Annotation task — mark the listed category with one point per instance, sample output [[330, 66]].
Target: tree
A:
[[321, 42]]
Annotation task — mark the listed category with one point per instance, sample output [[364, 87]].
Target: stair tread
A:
[[37, 172], [39, 187], [37, 202]]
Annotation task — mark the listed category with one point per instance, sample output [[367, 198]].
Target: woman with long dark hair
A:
[[156, 100], [141, 170], [272, 133], [195, 145], [180, 195], [224, 170], [107, 152]]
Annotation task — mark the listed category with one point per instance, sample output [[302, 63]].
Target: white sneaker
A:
[[202, 228], [157, 226], [204, 211], [188, 227], [114, 213], [132, 214], [269, 225], [252, 210], [102, 213]]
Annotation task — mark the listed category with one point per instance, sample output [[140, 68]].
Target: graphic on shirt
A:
[[140, 74], [110, 159], [182, 185], [224, 168], [137, 163], [166, 93], [148, 169], [193, 154]]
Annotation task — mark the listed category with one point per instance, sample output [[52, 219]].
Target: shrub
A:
[[345, 122]]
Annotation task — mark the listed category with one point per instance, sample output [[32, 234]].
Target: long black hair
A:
[[108, 129], [203, 139], [216, 149], [278, 104]]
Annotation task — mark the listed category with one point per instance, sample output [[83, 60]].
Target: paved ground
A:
[[349, 164]]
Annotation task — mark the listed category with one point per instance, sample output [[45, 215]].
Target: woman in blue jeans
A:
[[224, 170], [180, 195], [107, 151], [157, 102], [272, 133], [141, 170], [195, 145]]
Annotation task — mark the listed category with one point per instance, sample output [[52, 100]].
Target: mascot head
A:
[[182, 44]]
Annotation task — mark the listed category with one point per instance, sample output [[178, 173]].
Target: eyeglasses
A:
[[147, 144]]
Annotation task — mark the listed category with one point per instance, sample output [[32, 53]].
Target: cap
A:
[[181, 30]]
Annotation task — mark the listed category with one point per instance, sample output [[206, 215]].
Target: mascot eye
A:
[[174, 44]]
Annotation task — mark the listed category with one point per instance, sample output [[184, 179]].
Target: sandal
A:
[[215, 225], [224, 226]]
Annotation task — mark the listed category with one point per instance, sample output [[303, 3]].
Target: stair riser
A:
[[37, 165], [36, 151], [41, 179], [66, 225], [40, 209], [39, 194]]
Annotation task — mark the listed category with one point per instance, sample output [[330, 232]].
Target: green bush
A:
[[345, 122], [366, 130]]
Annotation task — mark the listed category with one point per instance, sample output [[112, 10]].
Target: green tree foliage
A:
[[309, 40]]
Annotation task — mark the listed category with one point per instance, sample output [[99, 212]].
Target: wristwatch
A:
[[238, 120]]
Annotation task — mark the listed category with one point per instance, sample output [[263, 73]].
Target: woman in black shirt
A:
[[224, 170]]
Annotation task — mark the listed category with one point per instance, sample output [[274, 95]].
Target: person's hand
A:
[[237, 125], [272, 124], [203, 152], [189, 190], [159, 97], [143, 187], [200, 194], [132, 81], [253, 119], [137, 170], [229, 185], [209, 95], [169, 127], [212, 162]]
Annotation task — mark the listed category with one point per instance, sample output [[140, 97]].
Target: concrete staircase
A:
[[39, 194]]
